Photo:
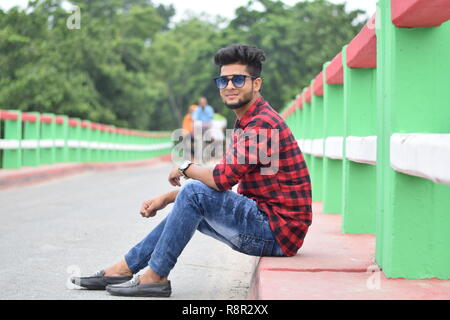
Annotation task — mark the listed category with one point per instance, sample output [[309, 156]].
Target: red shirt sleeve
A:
[[243, 155]]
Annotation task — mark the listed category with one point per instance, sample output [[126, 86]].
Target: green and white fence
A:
[[33, 139], [374, 126]]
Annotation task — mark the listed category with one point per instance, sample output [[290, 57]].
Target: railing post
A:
[[318, 141], [135, 143], [47, 139], [360, 108], [413, 98], [85, 141], [333, 133], [307, 125], [10, 144], [61, 135], [110, 143], [30, 142], [152, 140], [73, 141], [103, 152], [113, 143], [94, 139]]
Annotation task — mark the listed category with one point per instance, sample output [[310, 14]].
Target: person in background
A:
[[188, 122], [202, 117], [188, 133], [204, 113]]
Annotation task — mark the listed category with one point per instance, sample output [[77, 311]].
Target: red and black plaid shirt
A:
[[281, 188]]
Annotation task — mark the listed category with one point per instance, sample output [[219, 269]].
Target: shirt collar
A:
[[249, 114]]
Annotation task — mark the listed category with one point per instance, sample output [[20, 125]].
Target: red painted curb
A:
[[332, 265], [32, 175]]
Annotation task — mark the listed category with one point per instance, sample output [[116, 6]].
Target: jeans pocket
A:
[[254, 246]]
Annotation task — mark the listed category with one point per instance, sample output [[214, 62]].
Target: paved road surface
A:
[[83, 223]]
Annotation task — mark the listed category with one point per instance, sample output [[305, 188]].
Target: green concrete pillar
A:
[[73, 139], [136, 143], [110, 142], [413, 97], [144, 143], [127, 142], [30, 143], [85, 141], [307, 134], [102, 140], [296, 119], [317, 145], [359, 199], [147, 143], [333, 131], [46, 142], [120, 142], [114, 140], [12, 155], [94, 138], [61, 135]]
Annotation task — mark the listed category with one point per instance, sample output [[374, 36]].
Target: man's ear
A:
[[257, 83]]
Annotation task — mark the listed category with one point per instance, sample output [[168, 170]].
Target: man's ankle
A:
[[119, 269], [150, 276]]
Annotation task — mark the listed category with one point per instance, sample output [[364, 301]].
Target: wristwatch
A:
[[183, 167]]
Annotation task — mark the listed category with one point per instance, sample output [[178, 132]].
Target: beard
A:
[[242, 102]]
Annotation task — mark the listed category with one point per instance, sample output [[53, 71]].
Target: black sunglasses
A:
[[238, 80]]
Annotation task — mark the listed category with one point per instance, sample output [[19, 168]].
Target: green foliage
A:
[[130, 66]]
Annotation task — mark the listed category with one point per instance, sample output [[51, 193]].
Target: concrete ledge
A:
[[317, 147], [337, 266], [305, 145], [18, 177], [334, 147], [423, 155], [361, 149]]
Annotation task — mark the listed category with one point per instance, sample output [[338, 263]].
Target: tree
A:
[[129, 65]]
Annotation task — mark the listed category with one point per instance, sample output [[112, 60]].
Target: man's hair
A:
[[250, 56]]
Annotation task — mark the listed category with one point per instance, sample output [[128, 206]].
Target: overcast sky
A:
[[223, 8]]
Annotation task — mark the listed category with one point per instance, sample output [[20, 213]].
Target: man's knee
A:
[[189, 193], [194, 186]]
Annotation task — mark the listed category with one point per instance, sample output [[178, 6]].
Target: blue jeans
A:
[[226, 216]]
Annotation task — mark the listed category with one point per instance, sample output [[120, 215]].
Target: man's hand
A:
[[174, 176], [150, 207]]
